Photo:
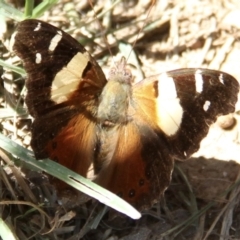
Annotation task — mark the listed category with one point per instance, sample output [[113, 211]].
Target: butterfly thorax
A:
[[115, 97]]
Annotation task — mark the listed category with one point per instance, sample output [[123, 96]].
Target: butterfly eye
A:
[[128, 73], [127, 76], [120, 74]]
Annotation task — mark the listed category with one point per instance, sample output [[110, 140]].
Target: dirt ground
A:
[[202, 201]]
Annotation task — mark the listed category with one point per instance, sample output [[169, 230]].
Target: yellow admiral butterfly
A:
[[131, 133]]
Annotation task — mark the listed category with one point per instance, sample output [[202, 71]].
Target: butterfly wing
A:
[[183, 103], [138, 167], [64, 83]]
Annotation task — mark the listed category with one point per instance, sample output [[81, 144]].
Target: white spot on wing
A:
[[221, 78], [169, 109], [38, 58], [12, 40], [198, 81], [37, 28], [206, 105], [55, 40], [67, 80]]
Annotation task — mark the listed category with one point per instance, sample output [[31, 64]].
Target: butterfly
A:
[[130, 133]]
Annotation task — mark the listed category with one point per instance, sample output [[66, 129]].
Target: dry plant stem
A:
[[228, 216], [233, 200], [167, 210], [12, 128], [50, 195], [142, 27], [207, 45], [201, 224], [103, 12], [28, 193], [87, 225], [15, 115], [222, 53], [4, 177], [42, 213], [107, 18], [174, 33], [54, 222], [67, 217], [192, 205], [28, 204]]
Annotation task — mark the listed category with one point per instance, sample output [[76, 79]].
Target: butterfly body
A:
[[131, 133], [114, 102]]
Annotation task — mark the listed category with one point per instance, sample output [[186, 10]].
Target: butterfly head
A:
[[120, 73]]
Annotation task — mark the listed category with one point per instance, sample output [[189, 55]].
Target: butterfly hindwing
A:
[[139, 167]]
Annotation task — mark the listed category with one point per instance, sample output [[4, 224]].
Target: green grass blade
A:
[[43, 7], [5, 231], [15, 69], [70, 177], [29, 5], [10, 12]]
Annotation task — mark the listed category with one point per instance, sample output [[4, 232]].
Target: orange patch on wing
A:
[[145, 102], [126, 167], [73, 147]]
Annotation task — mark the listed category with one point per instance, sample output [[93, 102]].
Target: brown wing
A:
[[63, 83], [138, 167], [74, 144], [183, 103]]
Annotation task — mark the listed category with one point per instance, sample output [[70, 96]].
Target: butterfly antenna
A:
[[144, 24], [102, 28]]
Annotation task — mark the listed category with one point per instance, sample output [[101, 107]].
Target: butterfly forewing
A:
[[57, 66], [130, 133], [58, 69], [183, 103], [203, 95]]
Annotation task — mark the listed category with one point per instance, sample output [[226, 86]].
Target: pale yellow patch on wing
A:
[[169, 109], [67, 80]]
